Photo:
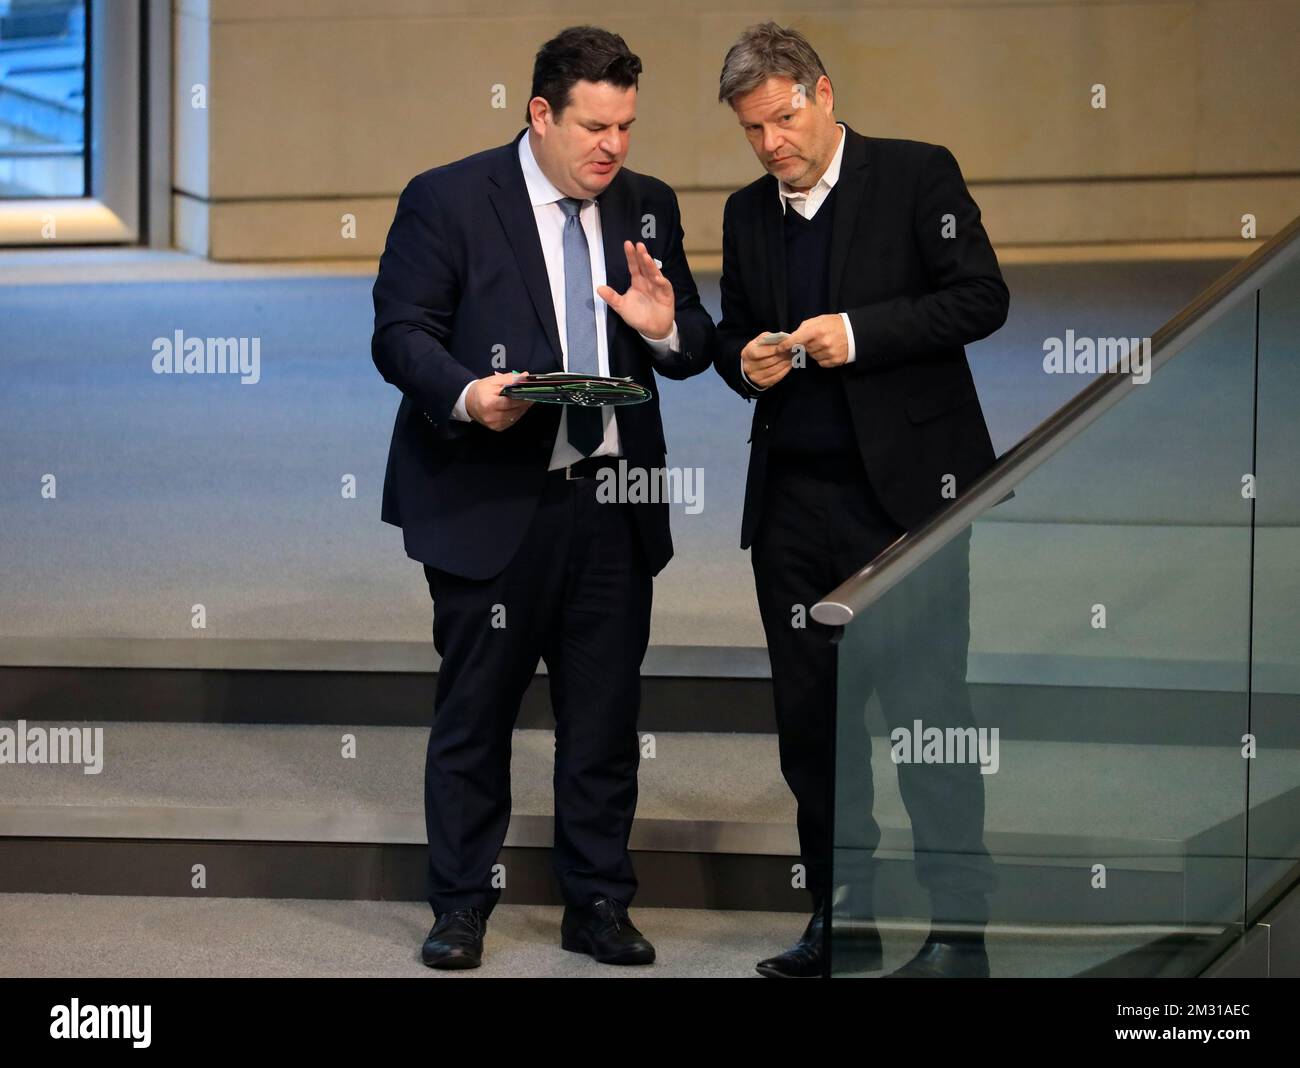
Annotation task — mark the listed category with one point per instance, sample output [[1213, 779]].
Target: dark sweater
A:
[[811, 414]]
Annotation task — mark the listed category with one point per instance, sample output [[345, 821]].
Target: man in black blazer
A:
[[544, 254], [869, 253]]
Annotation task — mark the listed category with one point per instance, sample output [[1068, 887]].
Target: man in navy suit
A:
[[869, 255], [544, 254]]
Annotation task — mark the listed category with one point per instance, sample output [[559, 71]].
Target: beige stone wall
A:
[[317, 108]]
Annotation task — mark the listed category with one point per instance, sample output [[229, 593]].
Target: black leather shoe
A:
[[857, 946], [604, 931], [456, 940], [946, 960]]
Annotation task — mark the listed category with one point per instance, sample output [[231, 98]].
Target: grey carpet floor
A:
[[176, 490], [1156, 796], [43, 935]]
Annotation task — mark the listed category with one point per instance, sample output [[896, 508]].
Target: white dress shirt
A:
[[806, 204], [550, 220]]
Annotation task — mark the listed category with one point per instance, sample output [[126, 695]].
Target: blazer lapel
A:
[[773, 251], [851, 187], [509, 197], [616, 226]]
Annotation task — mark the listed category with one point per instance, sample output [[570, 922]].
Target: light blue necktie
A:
[[586, 428]]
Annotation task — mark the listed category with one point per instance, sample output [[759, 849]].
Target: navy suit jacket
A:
[[462, 278], [912, 266]]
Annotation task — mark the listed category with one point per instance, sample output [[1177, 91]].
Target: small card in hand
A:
[[590, 391]]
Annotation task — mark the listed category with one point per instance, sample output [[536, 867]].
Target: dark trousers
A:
[[822, 522], [577, 596]]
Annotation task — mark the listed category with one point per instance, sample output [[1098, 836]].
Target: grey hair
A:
[[763, 51]]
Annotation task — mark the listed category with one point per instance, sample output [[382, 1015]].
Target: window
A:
[[71, 119], [42, 98]]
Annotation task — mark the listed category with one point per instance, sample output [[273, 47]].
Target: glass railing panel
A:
[[1275, 693], [1041, 726]]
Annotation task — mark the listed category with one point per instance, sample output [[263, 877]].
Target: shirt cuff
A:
[[664, 344], [756, 389], [848, 329], [461, 409]]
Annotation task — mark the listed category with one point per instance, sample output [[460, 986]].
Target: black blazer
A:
[[914, 298], [462, 277]]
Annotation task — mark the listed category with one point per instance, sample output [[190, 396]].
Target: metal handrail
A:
[[842, 604]]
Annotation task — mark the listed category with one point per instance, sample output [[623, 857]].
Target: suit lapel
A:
[[509, 197], [616, 226], [773, 252], [850, 189]]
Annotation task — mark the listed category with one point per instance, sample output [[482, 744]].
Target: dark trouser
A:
[[821, 522], [576, 595]]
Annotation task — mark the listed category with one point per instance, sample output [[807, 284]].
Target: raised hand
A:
[[648, 306]]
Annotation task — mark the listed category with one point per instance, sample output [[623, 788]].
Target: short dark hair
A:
[[580, 53]]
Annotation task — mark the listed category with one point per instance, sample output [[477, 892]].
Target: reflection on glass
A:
[[1275, 678], [911, 650], [42, 98], [1064, 687]]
